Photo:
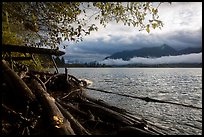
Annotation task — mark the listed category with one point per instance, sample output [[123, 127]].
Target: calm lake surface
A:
[[182, 85]]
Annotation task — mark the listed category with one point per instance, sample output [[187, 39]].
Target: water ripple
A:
[[182, 85]]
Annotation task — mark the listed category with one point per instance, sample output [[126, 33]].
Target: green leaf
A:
[[147, 28], [154, 25]]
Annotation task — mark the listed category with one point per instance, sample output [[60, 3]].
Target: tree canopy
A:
[[49, 23]]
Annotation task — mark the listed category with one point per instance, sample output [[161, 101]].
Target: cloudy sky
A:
[[182, 28]]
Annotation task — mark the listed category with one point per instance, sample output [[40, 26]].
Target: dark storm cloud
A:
[[184, 39], [182, 29], [178, 40]]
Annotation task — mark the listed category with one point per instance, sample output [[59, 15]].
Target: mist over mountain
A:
[[152, 52]]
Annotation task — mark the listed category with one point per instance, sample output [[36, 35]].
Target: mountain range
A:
[[154, 52]]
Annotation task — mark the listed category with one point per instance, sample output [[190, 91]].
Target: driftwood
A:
[[138, 122], [73, 109], [104, 104], [78, 128], [121, 111], [103, 112], [14, 80], [66, 109], [26, 49], [59, 122], [47, 73]]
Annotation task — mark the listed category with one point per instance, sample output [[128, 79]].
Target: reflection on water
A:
[[182, 85]]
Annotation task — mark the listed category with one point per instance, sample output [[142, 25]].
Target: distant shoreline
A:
[[183, 65]]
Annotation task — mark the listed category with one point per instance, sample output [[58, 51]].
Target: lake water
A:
[[182, 85]]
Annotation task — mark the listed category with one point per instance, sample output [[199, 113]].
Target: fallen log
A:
[[151, 126], [122, 112], [58, 122], [138, 122], [14, 80], [26, 49], [73, 109], [77, 127], [105, 113], [41, 72], [104, 104]]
